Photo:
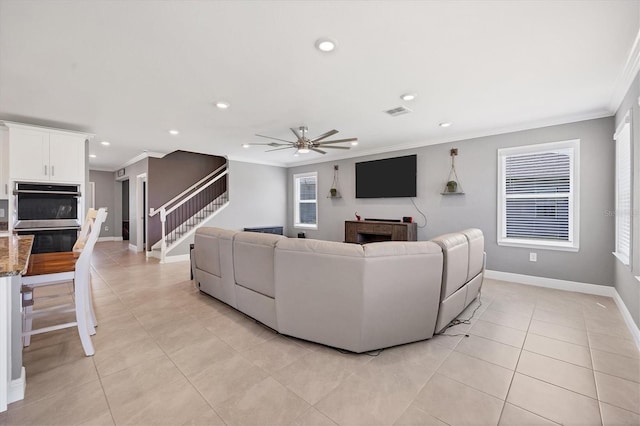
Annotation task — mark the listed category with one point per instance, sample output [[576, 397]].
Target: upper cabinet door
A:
[[4, 164], [28, 154], [66, 157]]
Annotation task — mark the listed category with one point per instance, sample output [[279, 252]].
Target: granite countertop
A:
[[14, 254]]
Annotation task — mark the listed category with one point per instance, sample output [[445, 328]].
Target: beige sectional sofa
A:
[[348, 296]]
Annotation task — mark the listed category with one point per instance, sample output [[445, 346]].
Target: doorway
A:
[[125, 209], [141, 211]]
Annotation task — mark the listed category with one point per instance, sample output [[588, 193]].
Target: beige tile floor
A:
[[167, 354]]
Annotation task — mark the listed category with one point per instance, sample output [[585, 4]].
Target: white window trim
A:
[[624, 259], [574, 198], [297, 201]]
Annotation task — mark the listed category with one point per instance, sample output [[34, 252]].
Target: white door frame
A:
[[140, 214]]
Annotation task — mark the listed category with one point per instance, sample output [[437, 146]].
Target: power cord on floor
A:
[[458, 321], [370, 353]]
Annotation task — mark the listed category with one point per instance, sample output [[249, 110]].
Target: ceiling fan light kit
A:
[[303, 144]]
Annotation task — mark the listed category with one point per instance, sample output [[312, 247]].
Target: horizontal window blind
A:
[[623, 194], [537, 195]]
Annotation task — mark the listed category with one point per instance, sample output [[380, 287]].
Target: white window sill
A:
[[303, 226], [542, 245], [622, 260]]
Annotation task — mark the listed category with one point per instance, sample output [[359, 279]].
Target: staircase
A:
[[186, 212]]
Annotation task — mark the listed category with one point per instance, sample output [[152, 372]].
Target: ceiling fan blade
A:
[[269, 137], [339, 141], [318, 150], [278, 149], [335, 147], [325, 135], [274, 144], [295, 132]]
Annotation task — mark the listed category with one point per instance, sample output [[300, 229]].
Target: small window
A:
[[623, 192], [305, 187], [538, 196]]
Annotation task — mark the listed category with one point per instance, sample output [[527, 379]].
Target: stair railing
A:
[[181, 199]]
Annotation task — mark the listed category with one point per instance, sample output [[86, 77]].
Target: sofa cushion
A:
[[456, 262], [253, 261]]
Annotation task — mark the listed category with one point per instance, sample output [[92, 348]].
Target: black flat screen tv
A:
[[388, 178]]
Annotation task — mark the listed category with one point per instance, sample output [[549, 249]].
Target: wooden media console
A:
[[363, 231]]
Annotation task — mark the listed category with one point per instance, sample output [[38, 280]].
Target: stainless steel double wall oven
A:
[[48, 211]]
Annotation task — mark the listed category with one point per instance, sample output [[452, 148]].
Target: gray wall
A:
[[477, 171], [624, 278], [104, 196], [257, 197]]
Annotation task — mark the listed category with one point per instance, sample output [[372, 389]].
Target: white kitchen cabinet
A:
[[41, 155], [4, 164]]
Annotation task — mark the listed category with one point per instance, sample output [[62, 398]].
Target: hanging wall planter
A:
[[453, 186], [333, 192]]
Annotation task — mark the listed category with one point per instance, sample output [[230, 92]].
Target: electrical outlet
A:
[[106, 228], [533, 257]]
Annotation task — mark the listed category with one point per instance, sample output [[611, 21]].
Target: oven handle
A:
[[31, 191], [66, 228]]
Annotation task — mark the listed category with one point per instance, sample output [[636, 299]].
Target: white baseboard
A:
[[133, 247], [628, 319], [17, 388], [600, 290], [109, 239]]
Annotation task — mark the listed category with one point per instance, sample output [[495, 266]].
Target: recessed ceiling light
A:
[[408, 96], [92, 156], [325, 45], [105, 143], [174, 132], [354, 143], [445, 124], [222, 105], [246, 145], [296, 154]]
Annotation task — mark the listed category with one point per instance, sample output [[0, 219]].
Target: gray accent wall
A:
[[626, 284], [105, 197], [477, 171], [257, 197]]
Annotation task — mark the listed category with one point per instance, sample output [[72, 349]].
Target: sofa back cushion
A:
[[476, 251], [253, 261], [207, 254], [455, 248]]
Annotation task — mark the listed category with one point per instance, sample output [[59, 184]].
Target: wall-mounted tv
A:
[[388, 178]]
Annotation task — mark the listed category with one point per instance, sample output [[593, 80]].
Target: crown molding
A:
[[628, 74], [100, 169], [13, 124], [460, 137]]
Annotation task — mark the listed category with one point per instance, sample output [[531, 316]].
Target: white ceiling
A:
[[129, 71]]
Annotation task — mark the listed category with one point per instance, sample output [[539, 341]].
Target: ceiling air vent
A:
[[394, 112]]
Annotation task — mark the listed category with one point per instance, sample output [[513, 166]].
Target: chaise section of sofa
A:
[[253, 260], [462, 272], [213, 263], [354, 297]]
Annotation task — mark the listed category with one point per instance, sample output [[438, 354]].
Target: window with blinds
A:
[[306, 204], [538, 196], [623, 193]]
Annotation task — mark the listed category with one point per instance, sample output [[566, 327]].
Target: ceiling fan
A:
[[303, 144]]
